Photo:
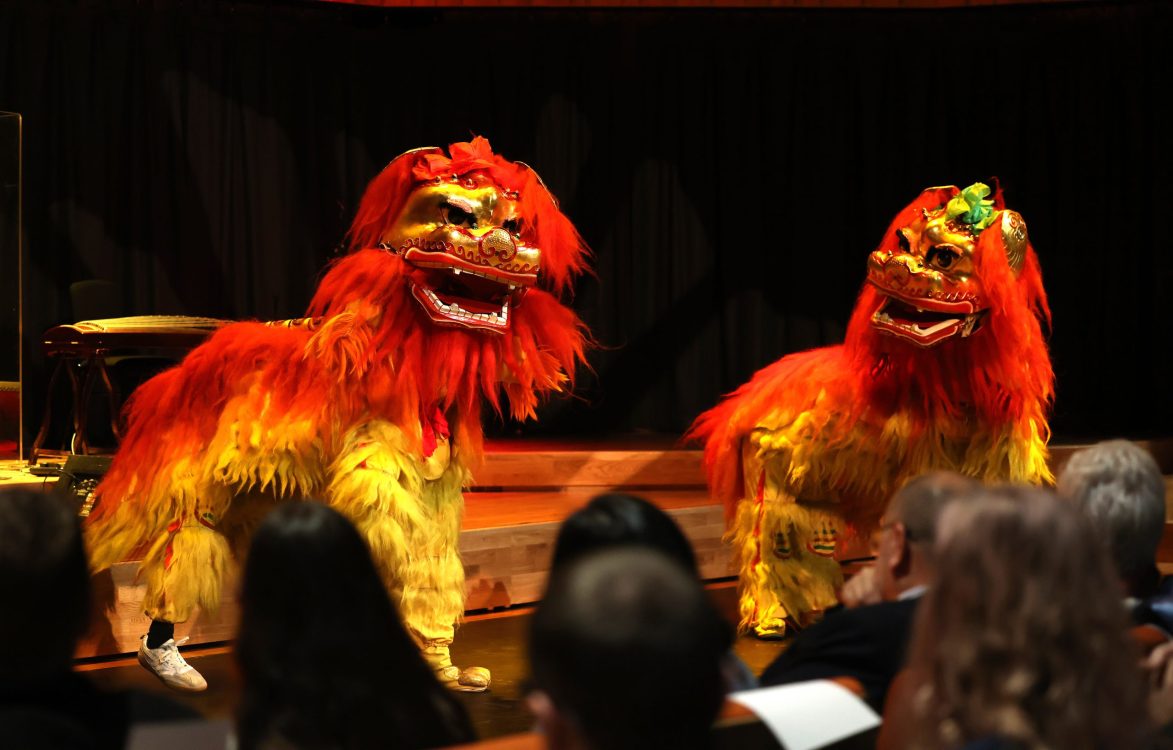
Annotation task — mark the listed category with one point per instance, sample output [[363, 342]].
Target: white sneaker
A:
[[168, 665]]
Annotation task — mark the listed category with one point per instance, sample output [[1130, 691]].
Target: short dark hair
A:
[[628, 646], [617, 519], [44, 584]]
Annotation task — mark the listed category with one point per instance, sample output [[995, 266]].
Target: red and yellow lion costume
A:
[[944, 367], [372, 404]]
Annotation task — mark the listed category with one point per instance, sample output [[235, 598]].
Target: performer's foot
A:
[[467, 680], [168, 665], [772, 629]]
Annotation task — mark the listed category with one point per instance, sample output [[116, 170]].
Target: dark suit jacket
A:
[[867, 643]]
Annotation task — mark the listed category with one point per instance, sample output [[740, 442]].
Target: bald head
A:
[[904, 553], [918, 504]]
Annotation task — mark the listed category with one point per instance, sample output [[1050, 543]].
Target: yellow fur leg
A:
[[171, 491], [184, 569], [788, 570], [178, 514], [412, 525]]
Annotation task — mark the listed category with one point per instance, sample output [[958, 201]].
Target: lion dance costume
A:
[[944, 366], [447, 299]]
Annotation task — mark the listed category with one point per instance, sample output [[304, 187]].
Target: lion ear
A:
[[1014, 238]]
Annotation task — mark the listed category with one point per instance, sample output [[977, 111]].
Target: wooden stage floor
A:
[[496, 641]]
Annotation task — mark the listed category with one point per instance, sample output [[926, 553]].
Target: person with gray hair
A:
[[1119, 486]]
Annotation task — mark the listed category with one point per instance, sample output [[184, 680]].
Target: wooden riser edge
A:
[[523, 465], [591, 468], [652, 464]]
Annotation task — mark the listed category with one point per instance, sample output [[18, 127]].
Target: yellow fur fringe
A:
[[412, 526], [812, 482]]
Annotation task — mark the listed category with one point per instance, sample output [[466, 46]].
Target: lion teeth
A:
[[453, 310]]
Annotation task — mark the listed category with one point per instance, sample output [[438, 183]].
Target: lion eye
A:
[[513, 226], [457, 216], [942, 257]]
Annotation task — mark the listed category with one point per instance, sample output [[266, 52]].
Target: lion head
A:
[[450, 293], [952, 314], [477, 232], [928, 269]]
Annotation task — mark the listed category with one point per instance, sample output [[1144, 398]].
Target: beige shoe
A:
[[467, 680], [772, 629], [168, 665]]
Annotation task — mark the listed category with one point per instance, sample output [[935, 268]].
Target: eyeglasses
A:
[[878, 535]]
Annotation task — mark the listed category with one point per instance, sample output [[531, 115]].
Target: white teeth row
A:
[[937, 327], [488, 276], [456, 311], [884, 317]]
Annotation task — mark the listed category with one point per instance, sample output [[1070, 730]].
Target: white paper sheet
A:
[[809, 715]]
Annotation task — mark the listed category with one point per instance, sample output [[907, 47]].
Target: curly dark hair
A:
[[1023, 637], [324, 659]]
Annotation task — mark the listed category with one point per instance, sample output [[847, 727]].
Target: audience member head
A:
[[615, 520], [324, 659], [904, 547], [1120, 487], [1022, 636], [625, 652], [44, 584]]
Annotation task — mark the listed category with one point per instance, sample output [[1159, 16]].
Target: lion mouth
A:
[[925, 321], [457, 293]]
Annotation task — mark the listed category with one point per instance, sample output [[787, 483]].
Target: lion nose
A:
[[497, 245]]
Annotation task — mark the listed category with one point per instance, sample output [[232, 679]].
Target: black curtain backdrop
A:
[[731, 169]]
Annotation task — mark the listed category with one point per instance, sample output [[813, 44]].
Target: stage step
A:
[[508, 539]]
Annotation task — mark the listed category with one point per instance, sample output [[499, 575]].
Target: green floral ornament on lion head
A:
[[971, 207]]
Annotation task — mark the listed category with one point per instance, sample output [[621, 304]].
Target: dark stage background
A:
[[731, 169]]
